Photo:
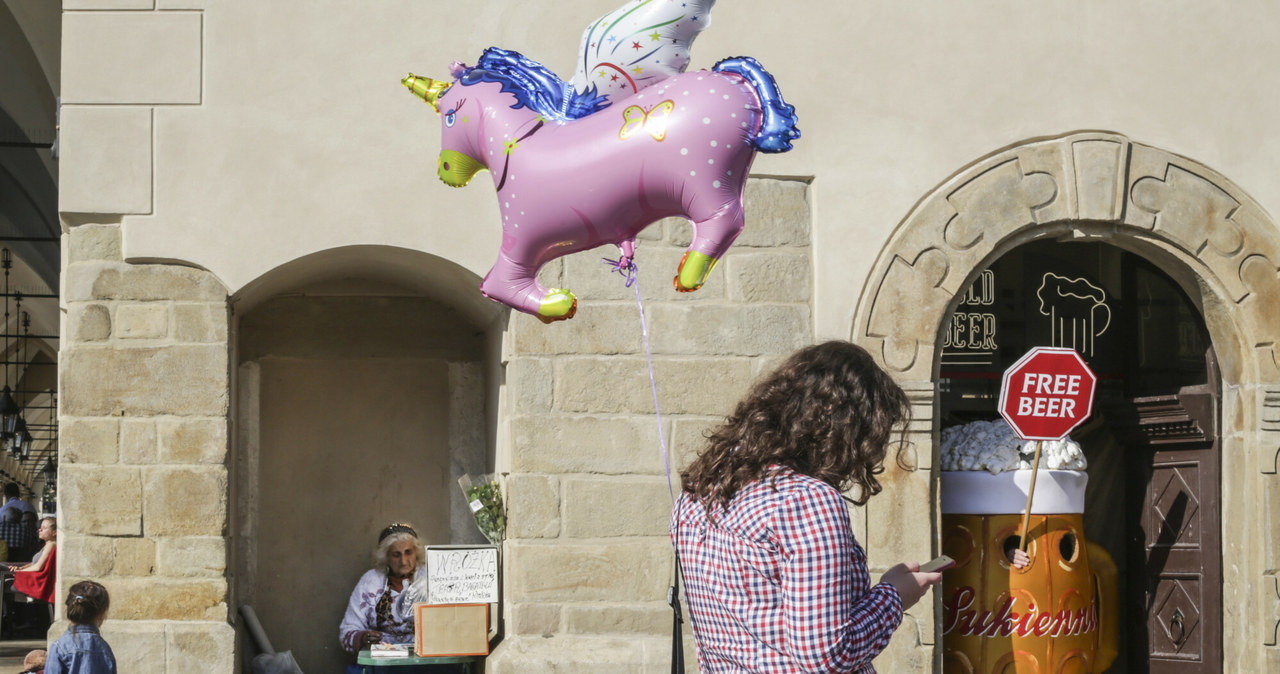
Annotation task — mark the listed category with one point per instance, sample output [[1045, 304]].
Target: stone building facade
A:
[[269, 305]]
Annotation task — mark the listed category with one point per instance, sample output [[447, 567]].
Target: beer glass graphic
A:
[[1077, 311], [1057, 615]]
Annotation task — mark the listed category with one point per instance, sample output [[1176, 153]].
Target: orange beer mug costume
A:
[[1056, 615]]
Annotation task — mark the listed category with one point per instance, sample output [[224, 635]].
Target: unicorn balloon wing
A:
[[639, 44]]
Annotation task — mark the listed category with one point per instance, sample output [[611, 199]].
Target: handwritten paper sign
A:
[[462, 574]]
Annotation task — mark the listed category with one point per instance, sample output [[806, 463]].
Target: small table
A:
[[366, 658]]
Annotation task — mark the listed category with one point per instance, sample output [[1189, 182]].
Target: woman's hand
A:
[[910, 583], [370, 637]]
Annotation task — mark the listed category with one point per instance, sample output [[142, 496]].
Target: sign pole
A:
[[1031, 494], [1044, 395]]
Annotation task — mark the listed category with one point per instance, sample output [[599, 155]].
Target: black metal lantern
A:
[[9, 410], [10, 415], [20, 444]]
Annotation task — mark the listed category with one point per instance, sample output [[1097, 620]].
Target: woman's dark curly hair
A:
[[827, 412]]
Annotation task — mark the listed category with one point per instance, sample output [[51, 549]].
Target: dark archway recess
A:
[[361, 395], [1152, 444]]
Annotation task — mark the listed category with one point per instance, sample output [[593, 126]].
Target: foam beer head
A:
[[993, 446]]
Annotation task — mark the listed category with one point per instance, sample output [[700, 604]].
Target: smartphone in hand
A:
[[940, 564]]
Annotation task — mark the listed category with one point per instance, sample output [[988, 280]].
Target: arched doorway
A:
[[1194, 225], [1152, 444], [362, 393]]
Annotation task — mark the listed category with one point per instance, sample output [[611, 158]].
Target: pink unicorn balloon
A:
[[574, 171]]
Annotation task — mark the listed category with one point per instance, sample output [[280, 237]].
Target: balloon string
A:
[[625, 266]]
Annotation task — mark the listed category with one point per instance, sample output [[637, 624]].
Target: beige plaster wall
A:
[[285, 118]]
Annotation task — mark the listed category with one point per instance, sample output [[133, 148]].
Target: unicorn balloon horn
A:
[[426, 88]]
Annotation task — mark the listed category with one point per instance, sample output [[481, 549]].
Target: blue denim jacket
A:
[[80, 650]]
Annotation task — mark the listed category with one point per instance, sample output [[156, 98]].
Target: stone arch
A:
[[422, 273], [364, 386], [1202, 229], [1084, 185]]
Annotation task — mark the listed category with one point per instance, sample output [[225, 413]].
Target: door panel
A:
[[1178, 466], [1181, 567]]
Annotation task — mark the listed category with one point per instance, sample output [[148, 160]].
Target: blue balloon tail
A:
[[779, 125]]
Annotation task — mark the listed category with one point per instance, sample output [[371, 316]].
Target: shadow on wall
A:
[[361, 397]]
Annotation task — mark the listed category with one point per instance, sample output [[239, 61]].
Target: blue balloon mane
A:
[[533, 85]]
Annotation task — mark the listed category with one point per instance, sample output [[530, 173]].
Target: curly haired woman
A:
[[775, 580]]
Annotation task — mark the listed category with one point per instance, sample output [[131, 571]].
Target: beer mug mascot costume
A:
[[1057, 613], [632, 139]]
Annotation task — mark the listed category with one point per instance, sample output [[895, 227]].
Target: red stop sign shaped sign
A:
[[1047, 393]]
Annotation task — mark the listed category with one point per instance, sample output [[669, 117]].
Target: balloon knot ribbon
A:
[[624, 266]]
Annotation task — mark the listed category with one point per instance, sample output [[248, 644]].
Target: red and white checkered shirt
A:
[[777, 583]]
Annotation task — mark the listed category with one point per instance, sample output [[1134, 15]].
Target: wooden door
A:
[[1176, 605]]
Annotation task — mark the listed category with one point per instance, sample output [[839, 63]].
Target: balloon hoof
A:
[[559, 305], [693, 271]]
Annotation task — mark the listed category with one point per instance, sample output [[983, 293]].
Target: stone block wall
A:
[[143, 477], [588, 558]]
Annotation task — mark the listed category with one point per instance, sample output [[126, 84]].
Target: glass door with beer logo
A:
[[1151, 448]]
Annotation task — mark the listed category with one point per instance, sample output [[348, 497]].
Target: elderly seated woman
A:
[[375, 613]]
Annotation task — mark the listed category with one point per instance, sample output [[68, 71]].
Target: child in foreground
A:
[[81, 650]]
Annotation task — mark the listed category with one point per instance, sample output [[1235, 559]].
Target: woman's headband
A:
[[396, 528]]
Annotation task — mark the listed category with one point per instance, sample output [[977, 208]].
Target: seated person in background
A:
[[12, 502], [372, 616], [36, 578], [18, 536]]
